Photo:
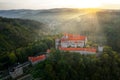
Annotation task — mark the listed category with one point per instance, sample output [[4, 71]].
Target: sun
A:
[[84, 3]]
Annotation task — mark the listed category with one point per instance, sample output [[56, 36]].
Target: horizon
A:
[[51, 4], [61, 8]]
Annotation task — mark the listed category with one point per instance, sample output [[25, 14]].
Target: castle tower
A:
[[100, 49]]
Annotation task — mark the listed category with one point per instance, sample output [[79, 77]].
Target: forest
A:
[[74, 66], [20, 39]]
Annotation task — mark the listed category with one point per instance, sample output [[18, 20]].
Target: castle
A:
[[74, 43]]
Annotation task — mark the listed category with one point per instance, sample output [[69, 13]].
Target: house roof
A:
[[48, 51], [79, 49], [37, 58], [73, 37]]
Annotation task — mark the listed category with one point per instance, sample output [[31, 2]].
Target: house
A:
[[36, 59], [80, 50], [48, 51], [16, 71], [74, 43]]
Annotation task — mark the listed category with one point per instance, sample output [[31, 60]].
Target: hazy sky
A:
[[46, 4]]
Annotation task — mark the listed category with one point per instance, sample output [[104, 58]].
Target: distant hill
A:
[[15, 33]]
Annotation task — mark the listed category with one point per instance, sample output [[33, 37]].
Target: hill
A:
[[15, 33], [101, 26]]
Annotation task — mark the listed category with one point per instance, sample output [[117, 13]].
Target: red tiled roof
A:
[[73, 37], [48, 50], [79, 49], [37, 58]]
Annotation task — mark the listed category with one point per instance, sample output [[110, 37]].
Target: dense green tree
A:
[[22, 38], [74, 66], [12, 58]]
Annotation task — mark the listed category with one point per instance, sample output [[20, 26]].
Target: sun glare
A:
[[84, 3]]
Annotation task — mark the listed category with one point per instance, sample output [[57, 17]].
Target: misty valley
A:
[[60, 44]]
